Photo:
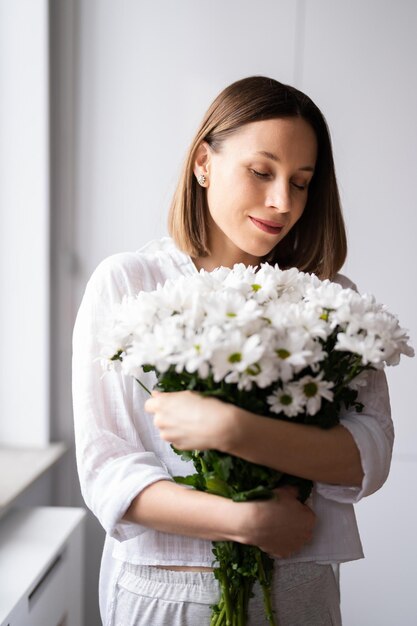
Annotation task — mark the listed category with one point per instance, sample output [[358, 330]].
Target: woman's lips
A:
[[268, 227]]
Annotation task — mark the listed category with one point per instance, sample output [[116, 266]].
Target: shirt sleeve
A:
[[373, 433], [113, 464]]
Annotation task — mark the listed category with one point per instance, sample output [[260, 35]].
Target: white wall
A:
[[358, 65], [24, 223], [141, 84]]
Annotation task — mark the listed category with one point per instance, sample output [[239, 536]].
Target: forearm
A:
[[329, 456], [172, 508], [279, 526]]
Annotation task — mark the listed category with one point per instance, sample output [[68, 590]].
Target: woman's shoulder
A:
[[344, 282], [117, 271], [142, 269]]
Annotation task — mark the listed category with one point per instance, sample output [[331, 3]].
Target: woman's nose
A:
[[279, 196]]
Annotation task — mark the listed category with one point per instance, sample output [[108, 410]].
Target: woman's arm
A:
[[113, 463], [191, 421], [329, 456], [280, 526]]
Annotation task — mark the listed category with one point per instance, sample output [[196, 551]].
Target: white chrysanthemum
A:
[[196, 353], [157, 347], [289, 279], [276, 313], [230, 308], [289, 400], [314, 389], [262, 374], [137, 312], [327, 295], [369, 347], [132, 366], [264, 285], [291, 353], [218, 275], [304, 317], [241, 278], [372, 331], [264, 371], [264, 288], [113, 340], [393, 338], [117, 332], [354, 312], [235, 355]]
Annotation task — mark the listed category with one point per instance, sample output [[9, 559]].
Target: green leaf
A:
[[252, 494], [222, 466], [186, 455], [194, 480], [217, 486]]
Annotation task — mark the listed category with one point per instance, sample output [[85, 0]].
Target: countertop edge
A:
[[20, 467]]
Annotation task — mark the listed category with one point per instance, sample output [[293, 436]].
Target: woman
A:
[[258, 185]]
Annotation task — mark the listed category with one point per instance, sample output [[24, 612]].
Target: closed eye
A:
[[300, 186], [260, 174]]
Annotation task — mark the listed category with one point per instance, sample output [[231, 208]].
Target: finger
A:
[[167, 436], [150, 405], [160, 422], [291, 490], [155, 393], [161, 426]]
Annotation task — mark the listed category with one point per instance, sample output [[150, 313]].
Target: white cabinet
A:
[[41, 571]]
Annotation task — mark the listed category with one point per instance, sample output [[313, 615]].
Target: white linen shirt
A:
[[120, 452]]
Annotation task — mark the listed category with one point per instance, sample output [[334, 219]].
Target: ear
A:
[[202, 159]]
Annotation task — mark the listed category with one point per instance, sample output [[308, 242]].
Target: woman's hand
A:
[[191, 421], [280, 526]]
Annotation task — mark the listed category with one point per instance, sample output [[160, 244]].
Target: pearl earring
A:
[[201, 180]]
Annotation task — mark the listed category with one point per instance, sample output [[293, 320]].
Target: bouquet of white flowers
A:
[[282, 344]]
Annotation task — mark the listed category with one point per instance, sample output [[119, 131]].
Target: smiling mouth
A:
[[266, 226]]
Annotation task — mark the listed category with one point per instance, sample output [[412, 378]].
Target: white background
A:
[[129, 83]]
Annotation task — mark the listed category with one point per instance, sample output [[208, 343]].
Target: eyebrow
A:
[[273, 157]]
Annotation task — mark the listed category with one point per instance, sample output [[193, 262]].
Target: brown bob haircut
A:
[[317, 242]]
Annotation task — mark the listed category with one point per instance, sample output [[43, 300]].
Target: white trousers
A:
[[304, 594]]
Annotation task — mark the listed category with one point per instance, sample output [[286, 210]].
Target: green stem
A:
[[143, 386], [241, 613], [265, 589], [217, 619], [248, 588], [226, 595], [203, 465]]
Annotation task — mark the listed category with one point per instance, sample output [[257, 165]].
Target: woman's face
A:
[[257, 187]]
